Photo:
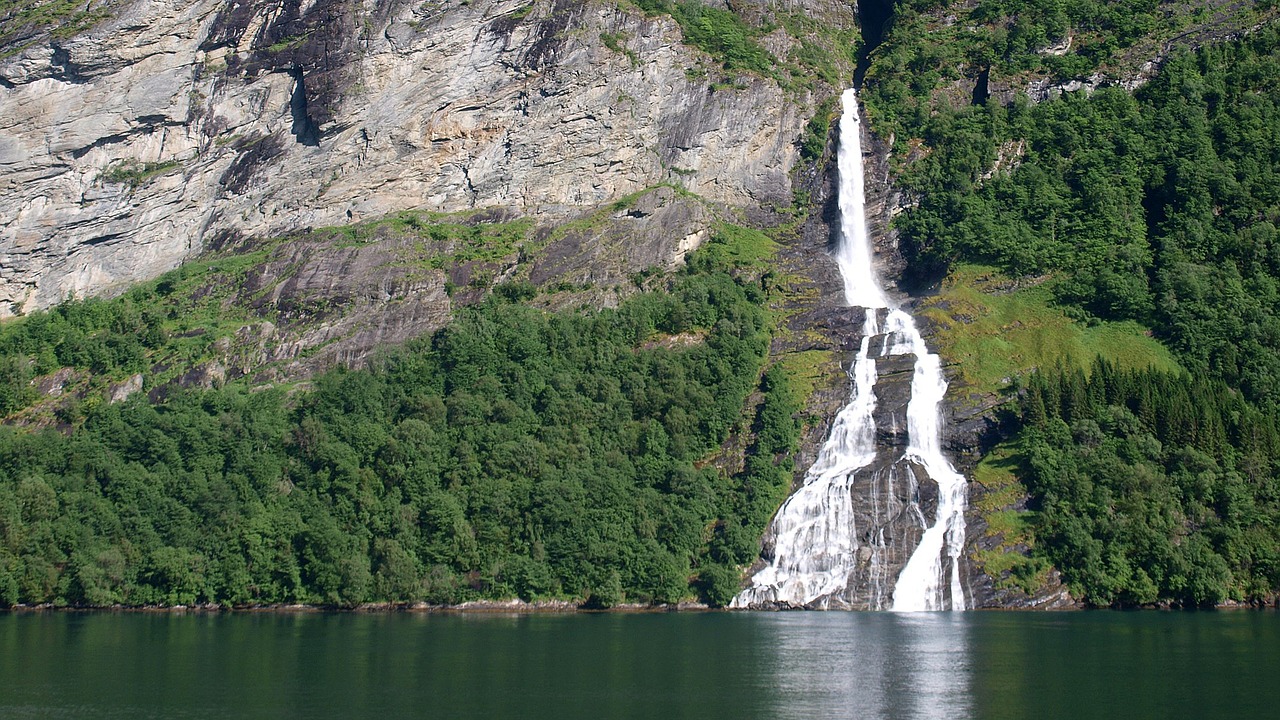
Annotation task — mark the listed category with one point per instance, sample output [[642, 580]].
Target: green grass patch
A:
[[288, 43], [445, 239], [522, 12], [199, 305], [24, 20], [741, 246], [481, 242], [996, 331], [823, 53], [1010, 570], [997, 475], [806, 371], [135, 174], [615, 42], [600, 218]]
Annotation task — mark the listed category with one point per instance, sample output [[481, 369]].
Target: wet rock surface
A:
[[889, 529], [890, 508]]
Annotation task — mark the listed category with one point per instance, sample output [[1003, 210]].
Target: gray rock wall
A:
[[176, 123]]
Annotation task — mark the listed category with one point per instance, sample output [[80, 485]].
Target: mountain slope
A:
[[167, 127]]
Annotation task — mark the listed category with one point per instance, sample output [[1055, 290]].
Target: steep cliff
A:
[[167, 127]]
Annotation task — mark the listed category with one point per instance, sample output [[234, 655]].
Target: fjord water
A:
[[666, 666], [815, 538]]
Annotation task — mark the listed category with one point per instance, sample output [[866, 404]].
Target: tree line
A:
[[516, 453], [1152, 487]]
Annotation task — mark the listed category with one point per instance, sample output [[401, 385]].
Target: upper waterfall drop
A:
[[820, 555], [853, 253]]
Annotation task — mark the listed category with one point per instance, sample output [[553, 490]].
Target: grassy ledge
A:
[[993, 330]]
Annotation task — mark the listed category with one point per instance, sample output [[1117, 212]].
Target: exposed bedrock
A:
[[128, 148]]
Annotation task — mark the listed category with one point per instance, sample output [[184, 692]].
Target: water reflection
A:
[[736, 666], [868, 665]]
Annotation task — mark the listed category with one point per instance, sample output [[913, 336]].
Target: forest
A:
[[1158, 206], [517, 453], [1152, 487]]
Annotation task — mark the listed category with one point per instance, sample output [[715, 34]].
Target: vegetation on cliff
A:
[[940, 55], [1158, 207], [819, 52], [23, 21], [1152, 487], [1154, 211], [515, 453]]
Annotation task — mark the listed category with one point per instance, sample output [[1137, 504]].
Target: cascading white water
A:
[[815, 538], [920, 583], [815, 544]]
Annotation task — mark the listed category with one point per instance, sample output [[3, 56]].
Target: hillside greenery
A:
[[157, 329], [995, 329], [934, 50], [1128, 218], [1152, 487], [1159, 207], [163, 328], [517, 453]]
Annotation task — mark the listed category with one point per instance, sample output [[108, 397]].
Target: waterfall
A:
[[818, 554], [920, 585]]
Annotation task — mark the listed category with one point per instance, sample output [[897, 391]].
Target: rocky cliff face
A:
[[172, 124]]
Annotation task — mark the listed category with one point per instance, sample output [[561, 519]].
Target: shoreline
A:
[[539, 607], [476, 607]]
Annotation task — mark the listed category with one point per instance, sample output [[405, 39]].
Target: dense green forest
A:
[[1151, 486], [1157, 207], [516, 453]]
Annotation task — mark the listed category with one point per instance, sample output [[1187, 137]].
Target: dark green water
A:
[[712, 665]]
